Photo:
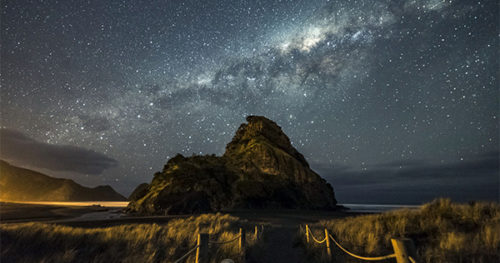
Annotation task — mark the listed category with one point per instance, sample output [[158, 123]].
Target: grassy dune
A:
[[442, 232], [37, 242]]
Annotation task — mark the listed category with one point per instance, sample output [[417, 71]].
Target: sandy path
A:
[[279, 247], [280, 234]]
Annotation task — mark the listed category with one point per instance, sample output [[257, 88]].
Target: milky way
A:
[[355, 84]]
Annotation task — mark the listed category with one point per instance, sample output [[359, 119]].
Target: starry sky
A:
[[380, 96]]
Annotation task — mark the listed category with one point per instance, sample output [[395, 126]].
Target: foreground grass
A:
[[442, 232], [38, 242]]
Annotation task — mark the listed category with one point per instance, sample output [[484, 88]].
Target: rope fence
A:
[[404, 249], [315, 239], [361, 257], [225, 242], [187, 254], [203, 243]]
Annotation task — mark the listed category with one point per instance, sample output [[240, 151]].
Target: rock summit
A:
[[259, 169]]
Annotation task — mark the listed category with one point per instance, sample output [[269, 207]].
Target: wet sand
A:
[[22, 212], [99, 216]]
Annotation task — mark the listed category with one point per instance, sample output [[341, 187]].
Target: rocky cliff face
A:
[[139, 192], [260, 169]]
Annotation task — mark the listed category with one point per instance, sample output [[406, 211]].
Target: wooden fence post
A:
[[255, 234], [307, 233], [242, 240], [404, 249], [242, 244], [328, 250], [202, 250]]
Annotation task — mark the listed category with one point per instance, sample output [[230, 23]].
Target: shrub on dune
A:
[[442, 232], [38, 242]]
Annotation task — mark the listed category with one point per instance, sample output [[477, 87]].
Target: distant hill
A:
[[260, 169], [19, 184]]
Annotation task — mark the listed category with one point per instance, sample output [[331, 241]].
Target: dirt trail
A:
[[280, 246], [280, 243]]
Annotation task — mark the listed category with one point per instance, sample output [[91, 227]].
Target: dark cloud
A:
[[20, 148], [95, 123], [417, 181], [193, 93]]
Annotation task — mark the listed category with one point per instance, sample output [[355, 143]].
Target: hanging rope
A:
[[224, 242], [360, 257], [315, 240], [187, 254]]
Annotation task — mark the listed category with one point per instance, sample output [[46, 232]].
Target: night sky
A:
[[380, 96]]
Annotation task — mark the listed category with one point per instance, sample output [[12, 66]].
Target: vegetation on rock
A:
[[139, 192]]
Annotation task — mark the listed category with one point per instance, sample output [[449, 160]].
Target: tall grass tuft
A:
[[442, 232], [38, 242]]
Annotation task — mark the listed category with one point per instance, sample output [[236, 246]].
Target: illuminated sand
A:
[[49, 211], [87, 203]]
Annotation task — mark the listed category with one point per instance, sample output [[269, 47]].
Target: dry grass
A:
[[442, 232], [37, 242]]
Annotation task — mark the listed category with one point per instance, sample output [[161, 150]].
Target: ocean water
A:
[[376, 208]]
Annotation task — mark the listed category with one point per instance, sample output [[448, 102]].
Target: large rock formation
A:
[[19, 184], [260, 169]]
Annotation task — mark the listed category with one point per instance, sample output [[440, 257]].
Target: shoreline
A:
[[109, 213], [88, 214], [113, 204]]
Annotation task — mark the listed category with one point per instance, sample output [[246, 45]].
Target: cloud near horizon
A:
[[415, 181], [18, 147]]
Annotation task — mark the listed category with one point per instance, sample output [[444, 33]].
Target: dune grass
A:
[[442, 232], [38, 242]]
